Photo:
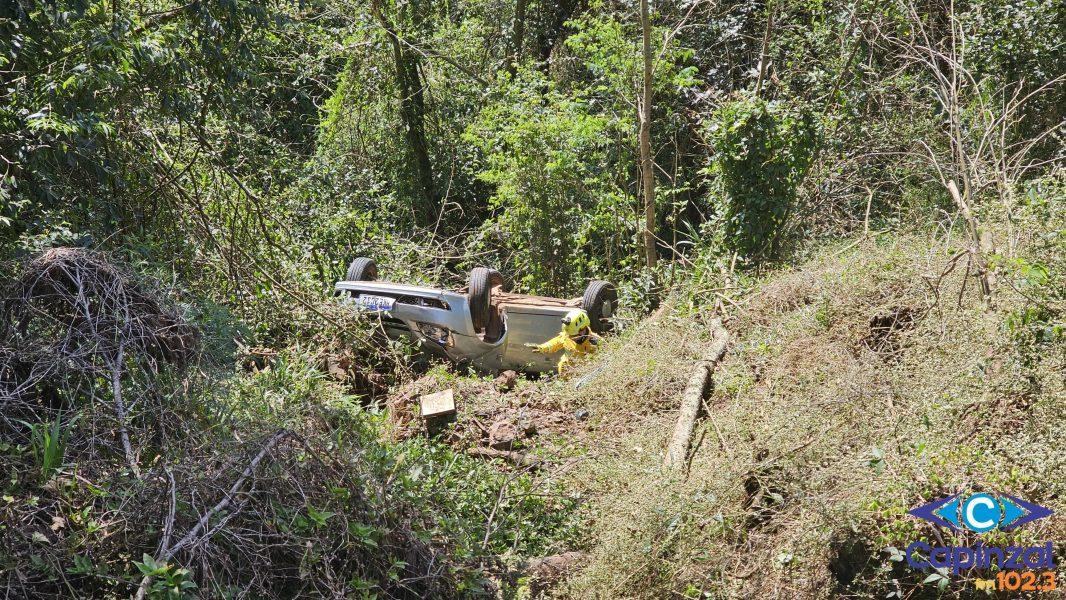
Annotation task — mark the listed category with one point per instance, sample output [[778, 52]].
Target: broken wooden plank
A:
[[437, 405]]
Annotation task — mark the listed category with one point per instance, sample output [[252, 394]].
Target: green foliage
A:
[[245, 151], [558, 153], [762, 152], [1038, 326], [530, 518], [48, 444], [98, 83], [1019, 42], [557, 213], [611, 68], [451, 490], [168, 581]]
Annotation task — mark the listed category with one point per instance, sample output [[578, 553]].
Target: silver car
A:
[[482, 325]]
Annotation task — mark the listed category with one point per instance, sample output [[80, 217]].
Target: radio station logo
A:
[[981, 513]]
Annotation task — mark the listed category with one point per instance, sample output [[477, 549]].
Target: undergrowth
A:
[[859, 385], [321, 503]]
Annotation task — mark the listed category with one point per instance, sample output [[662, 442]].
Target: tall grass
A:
[[48, 444]]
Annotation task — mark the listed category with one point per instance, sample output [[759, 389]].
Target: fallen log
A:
[[697, 389], [516, 458]]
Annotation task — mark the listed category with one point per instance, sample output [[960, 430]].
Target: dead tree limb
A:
[[194, 534], [168, 526], [516, 458], [699, 386], [982, 243], [120, 410]]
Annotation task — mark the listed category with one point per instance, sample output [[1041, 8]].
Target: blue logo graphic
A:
[[980, 512]]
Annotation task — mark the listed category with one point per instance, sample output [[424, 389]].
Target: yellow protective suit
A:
[[582, 344]]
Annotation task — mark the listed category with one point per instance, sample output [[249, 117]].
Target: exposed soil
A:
[[886, 327], [489, 414]]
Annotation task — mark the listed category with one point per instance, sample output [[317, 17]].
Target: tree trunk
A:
[[551, 35], [765, 48], [413, 114], [647, 166], [982, 243], [518, 33]]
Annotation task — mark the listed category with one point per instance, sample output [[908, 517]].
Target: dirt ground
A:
[[507, 418]]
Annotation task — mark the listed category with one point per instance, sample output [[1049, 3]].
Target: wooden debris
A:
[[516, 458], [438, 405], [547, 571], [699, 386]]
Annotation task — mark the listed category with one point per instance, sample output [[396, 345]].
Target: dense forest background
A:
[[247, 145], [225, 159]]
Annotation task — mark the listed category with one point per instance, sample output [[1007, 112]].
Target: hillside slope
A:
[[866, 381], [861, 384]]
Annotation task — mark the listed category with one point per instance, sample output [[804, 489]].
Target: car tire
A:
[[362, 269], [599, 301], [479, 295]]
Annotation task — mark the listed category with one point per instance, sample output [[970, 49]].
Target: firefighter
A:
[[575, 339]]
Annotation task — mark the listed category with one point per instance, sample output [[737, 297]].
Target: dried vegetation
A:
[[138, 469], [852, 393]]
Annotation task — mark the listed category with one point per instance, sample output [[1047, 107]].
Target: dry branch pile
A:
[[75, 317], [153, 463], [74, 310]]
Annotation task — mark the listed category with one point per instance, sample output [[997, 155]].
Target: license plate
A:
[[375, 303]]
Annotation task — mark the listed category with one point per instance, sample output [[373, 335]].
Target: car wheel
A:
[[362, 269], [599, 301], [479, 295]]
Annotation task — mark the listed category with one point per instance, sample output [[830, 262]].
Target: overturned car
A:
[[483, 325]]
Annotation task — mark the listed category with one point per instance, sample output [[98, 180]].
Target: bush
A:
[[762, 151], [558, 214]]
